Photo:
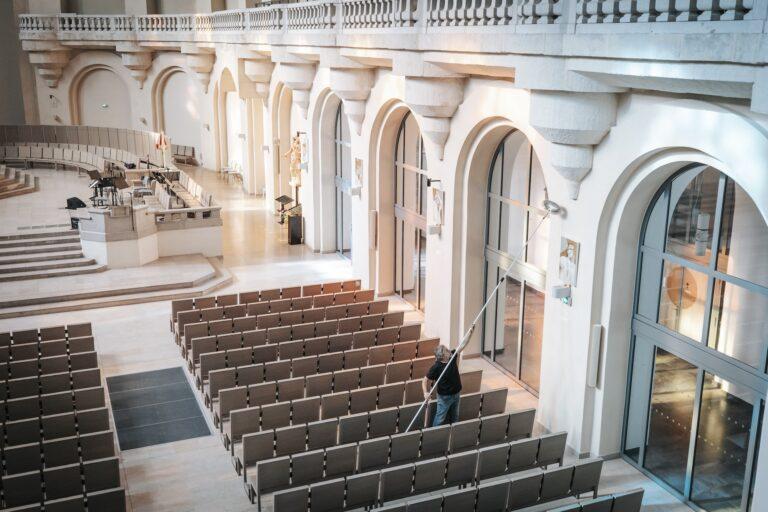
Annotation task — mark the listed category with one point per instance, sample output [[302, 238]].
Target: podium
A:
[[295, 235]]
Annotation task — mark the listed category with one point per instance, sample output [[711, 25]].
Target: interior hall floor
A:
[[197, 474]]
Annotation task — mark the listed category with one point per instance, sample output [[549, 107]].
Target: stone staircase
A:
[[14, 182], [43, 255]]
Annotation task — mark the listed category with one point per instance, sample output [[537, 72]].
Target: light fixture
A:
[[104, 106]]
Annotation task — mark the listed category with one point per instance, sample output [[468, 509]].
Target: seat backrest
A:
[[327, 496]]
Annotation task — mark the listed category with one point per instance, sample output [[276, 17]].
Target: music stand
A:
[[283, 201]]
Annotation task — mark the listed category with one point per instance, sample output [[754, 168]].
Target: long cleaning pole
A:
[[468, 334]]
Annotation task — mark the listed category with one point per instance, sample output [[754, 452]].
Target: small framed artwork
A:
[[569, 261], [359, 171]]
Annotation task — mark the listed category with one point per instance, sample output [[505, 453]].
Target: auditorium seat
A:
[[58, 450]]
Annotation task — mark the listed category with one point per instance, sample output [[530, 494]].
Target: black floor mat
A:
[[154, 408]]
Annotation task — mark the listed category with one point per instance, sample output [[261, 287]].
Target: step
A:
[[34, 242], [38, 234], [17, 192], [23, 251], [43, 257], [219, 278], [46, 265], [48, 274]]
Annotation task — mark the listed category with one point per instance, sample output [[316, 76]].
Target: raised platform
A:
[[165, 279]]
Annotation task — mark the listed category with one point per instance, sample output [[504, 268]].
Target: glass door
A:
[[410, 214], [343, 184]]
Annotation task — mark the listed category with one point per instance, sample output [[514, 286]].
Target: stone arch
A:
[[323, 161], [280, 110], [109, 89], [222, 109], [642, 172], [469, 212], [185, 127], [384, 133]]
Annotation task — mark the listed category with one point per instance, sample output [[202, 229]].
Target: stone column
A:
[[573, 123]]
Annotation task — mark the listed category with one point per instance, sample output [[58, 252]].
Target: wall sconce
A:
[[57, 118], [54, 101], [143, 120], [105, 106], [207, 127]]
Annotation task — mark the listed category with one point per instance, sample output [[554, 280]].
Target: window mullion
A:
[[693, 437]]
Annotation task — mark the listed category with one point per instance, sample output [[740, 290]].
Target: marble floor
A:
[[197, 474]]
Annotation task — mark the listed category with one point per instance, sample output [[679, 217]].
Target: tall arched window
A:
[[700, 340], [514, 322], [410, 213], [343, 182]]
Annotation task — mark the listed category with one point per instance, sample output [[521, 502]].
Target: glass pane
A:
[[722, 443], [536, 253], [346, 227], [516, 161], [671, 417], [410, 264], [656, 226], [489, 326], [743, 237], [739, 323], [422, 269], [494, 217], [533, 334], [339, 220], [639, 393], [506, 348], [512, 226], [694, 194], [682, 300], [399, 256], [756, 456], [650, 279]]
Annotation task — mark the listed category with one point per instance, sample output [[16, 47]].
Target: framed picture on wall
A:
[[569, 261]]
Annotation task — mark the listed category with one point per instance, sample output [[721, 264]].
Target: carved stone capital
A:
[[200, 60], [138, 60], [435, 100], [353, 86], [48, 58], [259, 72], [299, 78], [574, 123]]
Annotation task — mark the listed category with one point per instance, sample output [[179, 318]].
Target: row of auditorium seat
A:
[[315, 323], [325, 385], [246, 312], [402, 481], [58, 447], [358, 341], [422, 447], [290, 292], [304, 366], [629, 501]]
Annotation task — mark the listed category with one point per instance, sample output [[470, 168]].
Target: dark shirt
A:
[[450, 384]]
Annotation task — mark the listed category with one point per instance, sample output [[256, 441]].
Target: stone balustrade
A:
[[354, 15]]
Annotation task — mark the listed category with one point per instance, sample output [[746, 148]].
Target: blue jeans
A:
[[447, 407]]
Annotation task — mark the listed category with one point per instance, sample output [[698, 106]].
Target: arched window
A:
[[700, 340], [343, 181], [410, 213], [514, 321]]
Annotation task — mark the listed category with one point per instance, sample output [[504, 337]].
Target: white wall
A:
[[103, 100], [181, 114]]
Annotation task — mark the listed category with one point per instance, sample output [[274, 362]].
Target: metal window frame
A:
[[698, 353]]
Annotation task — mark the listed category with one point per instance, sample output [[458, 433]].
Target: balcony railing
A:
[[354, 15]]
